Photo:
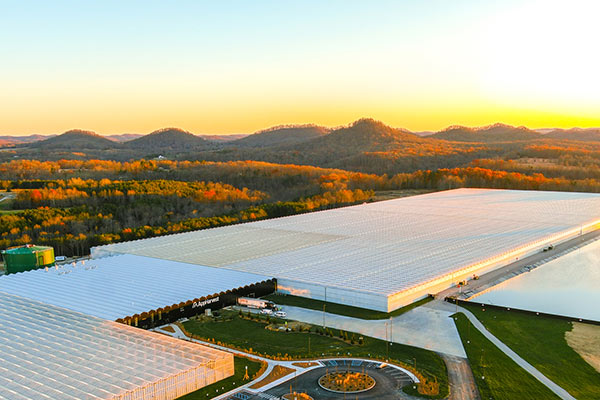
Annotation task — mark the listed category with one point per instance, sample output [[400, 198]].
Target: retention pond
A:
[[568, 285]]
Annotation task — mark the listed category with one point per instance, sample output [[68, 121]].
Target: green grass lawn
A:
[[5, 204], [341, 309], [10, 211], [233, 330], [226, 384], [541, 341], [497, 376]]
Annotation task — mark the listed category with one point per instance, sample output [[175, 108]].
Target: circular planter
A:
[[346, 382]]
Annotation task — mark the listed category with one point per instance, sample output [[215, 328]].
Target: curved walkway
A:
[[270, 364], [559, 391]]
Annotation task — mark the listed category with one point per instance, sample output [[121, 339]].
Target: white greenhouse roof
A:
[[123, 285], [384, 247], [47, 352]]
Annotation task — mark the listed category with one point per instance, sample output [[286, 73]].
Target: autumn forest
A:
[[73, 199]]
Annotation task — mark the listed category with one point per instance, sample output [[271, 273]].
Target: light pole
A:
[[387, 343], [325, 302]]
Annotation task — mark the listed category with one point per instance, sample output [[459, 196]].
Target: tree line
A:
[[105, 201]]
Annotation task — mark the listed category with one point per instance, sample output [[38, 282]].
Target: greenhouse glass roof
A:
[[124, 285], [383, 247], [48, 352]]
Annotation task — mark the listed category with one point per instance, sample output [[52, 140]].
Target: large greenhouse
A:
[[386, 254], [49, 352], [139, 291]]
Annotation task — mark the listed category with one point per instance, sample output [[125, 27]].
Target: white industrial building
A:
[[123, 286], [49, 352], [386, 254]]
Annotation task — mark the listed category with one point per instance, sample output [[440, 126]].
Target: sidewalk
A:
[[270, 365], [559, 391]]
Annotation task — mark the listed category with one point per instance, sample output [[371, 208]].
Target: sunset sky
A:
[[240, 66]]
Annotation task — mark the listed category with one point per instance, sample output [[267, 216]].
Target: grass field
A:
[[10, 211], [497, 376], [541, 341], [245, 334], [341, 309], [226, 384]]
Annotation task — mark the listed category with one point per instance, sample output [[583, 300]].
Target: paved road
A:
[[460, 376], [491, 278], [562, 393], [6, 196]]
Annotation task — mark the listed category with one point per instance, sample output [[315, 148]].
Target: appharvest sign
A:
[[205, 302]]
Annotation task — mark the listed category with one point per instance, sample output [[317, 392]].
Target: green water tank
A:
[[26, 258]]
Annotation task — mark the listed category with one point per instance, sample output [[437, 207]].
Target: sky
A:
[[240, 66]]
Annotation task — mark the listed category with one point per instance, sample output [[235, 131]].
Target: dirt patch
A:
[[168, 329], [585, 340], [395, 194], [296, 396], [292, 326], [277, 372], [305, 364], [540, 162]]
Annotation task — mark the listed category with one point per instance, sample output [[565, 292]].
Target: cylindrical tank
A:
[[28, 257]]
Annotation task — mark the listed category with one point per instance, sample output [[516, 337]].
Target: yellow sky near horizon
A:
[[423, 66]]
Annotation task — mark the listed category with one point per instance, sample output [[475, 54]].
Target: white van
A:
[[280, 314]]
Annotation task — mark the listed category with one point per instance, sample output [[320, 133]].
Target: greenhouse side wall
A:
[[362, 299], [185, 382]]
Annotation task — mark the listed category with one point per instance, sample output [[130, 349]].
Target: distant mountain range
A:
[[584, 135], [364, 145], [283, 135], [15, 140], [486, 134], [293, 134], [123, 137]]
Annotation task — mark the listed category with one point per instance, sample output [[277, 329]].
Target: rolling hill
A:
[[363, 135], [579, 134], [365, 145], [76, 139], [223, 138], [487, 134], [18, 140], [168, 139], [123, 137], [282, 136]]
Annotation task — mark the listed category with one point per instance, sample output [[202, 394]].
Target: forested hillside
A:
[[73, 205], [59, 193], [365, 145]]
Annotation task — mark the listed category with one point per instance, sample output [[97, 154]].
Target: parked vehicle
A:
[[255, 303], [266, 311], [280, 314]]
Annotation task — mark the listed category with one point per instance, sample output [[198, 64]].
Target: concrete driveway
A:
[[425, 327]]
